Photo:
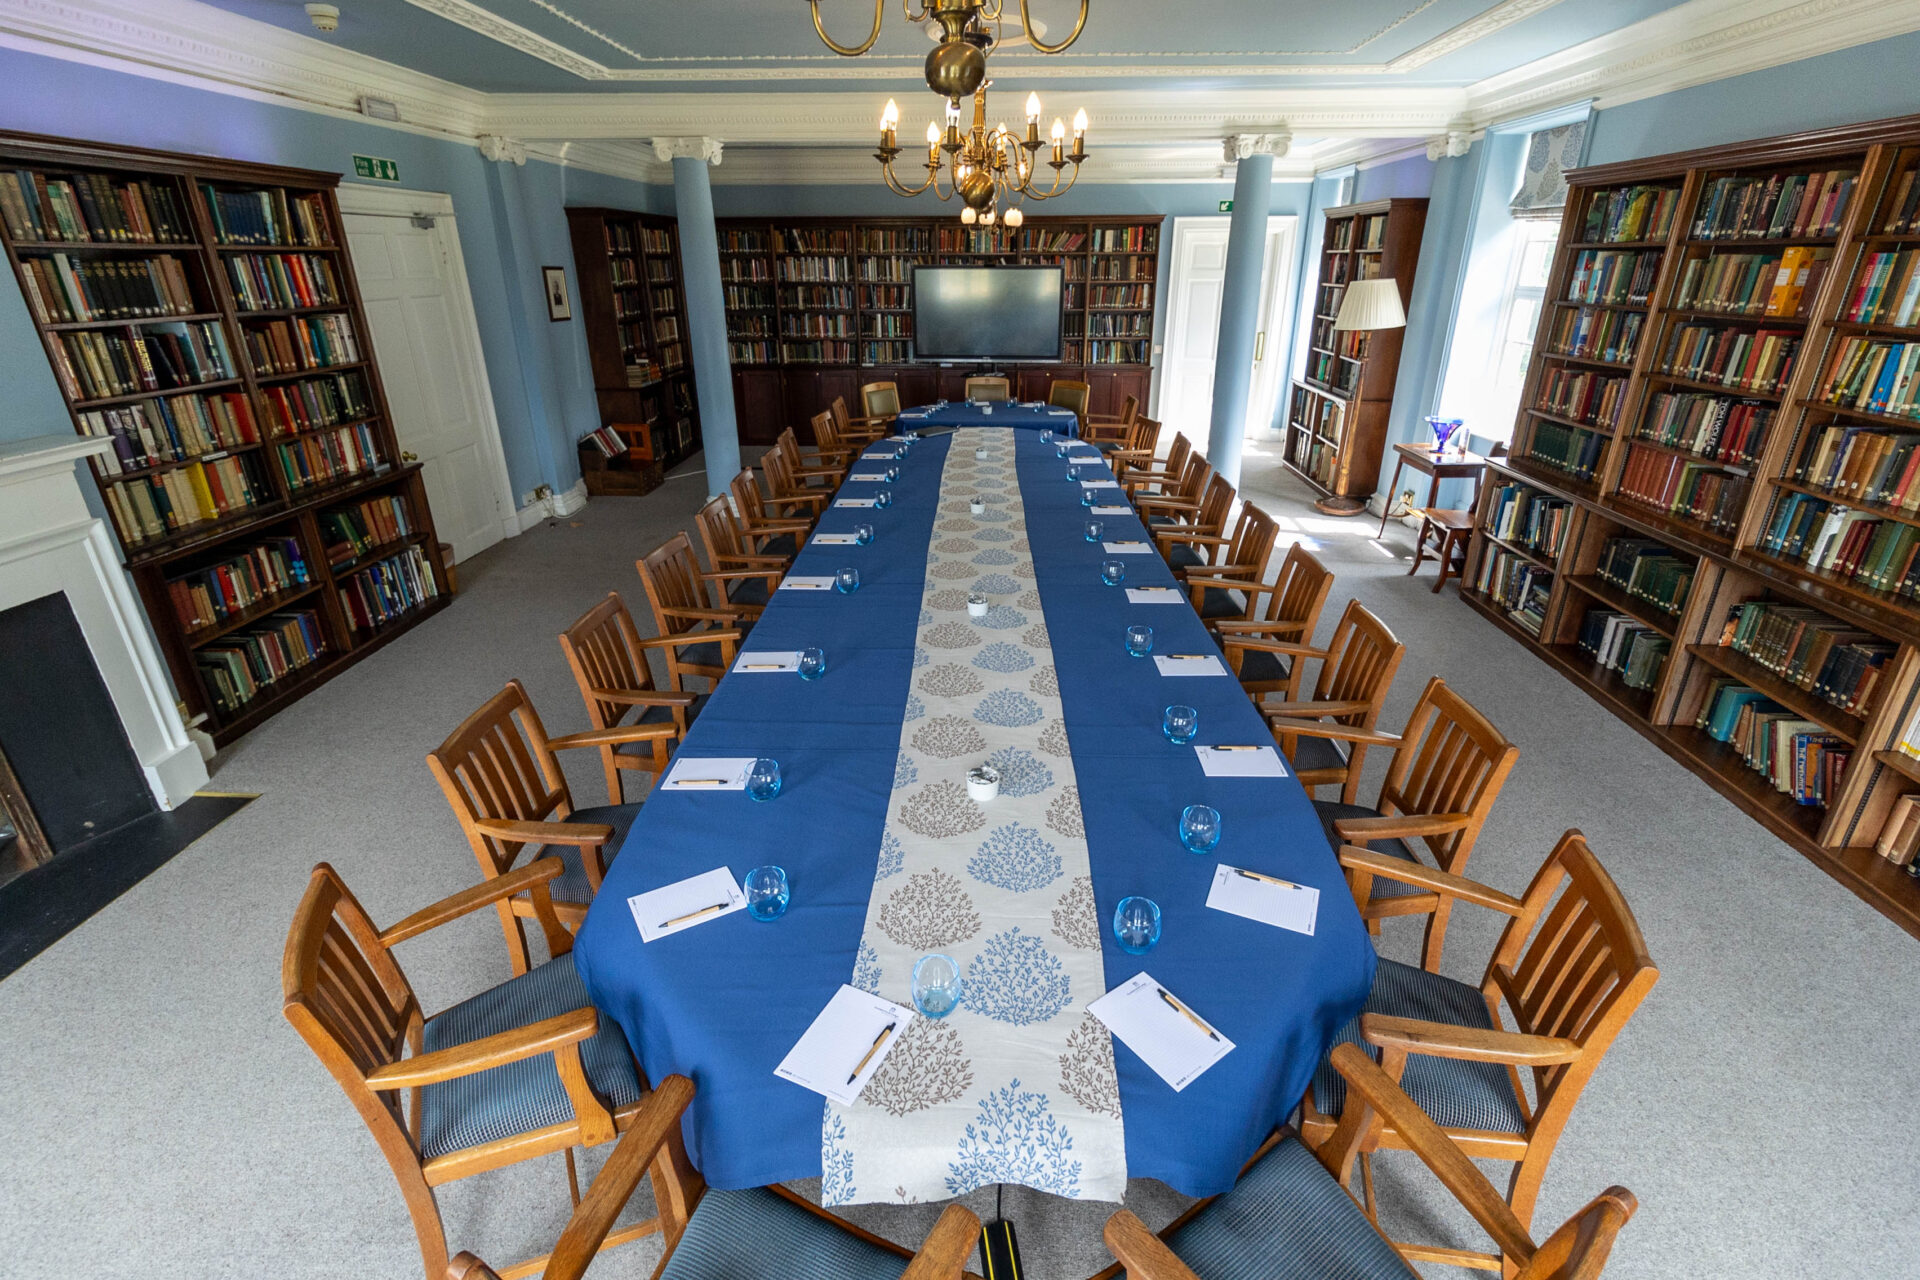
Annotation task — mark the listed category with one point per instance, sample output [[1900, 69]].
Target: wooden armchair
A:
[[727, 552], [828, 447], [1448, 767], [732, 1235], [1197, 538], [810, 473], [1064, 393], [879, 406], [1231, 588], [863, 430], [700, 634], [500, 774], [1569, 972], [1147, 478], [608, 658], [1265, 652], [519, 1071], [762, 533], [1134, 451], [789, 496], [989, 387], [1297, 1214], [1112, 430]]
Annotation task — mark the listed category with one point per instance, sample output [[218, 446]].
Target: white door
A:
[[428, 345], [1193, 323], [1276, 321]]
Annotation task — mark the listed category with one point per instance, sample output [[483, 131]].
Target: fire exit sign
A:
[[376, 168], [1226, 206]]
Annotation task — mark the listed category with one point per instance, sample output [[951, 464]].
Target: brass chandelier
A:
[[981, 166]]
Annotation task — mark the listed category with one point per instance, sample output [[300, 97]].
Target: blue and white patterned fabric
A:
[[525, 1095], [572, 885], [1458, 1095], [1332, 811], [1043, 687], [738, 1235]]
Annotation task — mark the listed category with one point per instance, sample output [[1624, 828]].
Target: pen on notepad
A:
[[763, 666], [1255, 875], [1236, 748], [1188, 657], [694, 915], [871, 1050], [1191, 1016], [699, 782]]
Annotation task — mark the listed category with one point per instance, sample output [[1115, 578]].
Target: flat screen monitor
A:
[[986, 313]]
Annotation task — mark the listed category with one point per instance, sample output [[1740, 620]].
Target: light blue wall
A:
[[872, 200], [1409, 178]]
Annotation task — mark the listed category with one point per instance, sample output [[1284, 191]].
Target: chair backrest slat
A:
[[496, 766], [1366, 655], [602, 649], [671, 577], [343, 991], [1253, 538], [1216, 504], [1144, 434], [1300, 592], [1456, 763]]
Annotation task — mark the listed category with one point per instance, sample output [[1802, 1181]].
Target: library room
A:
[[644, 647]]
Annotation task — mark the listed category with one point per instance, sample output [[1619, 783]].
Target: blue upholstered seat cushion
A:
[[525, 1095], [702, 655], [749, 591], [1454, 1094], [734, 1235], [572, 885], [1318, 753], [783, 545], [1331, 811], [1286, 1219], [1260, 667], [1218, 602], [1183, 556]]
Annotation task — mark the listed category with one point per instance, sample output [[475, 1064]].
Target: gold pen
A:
[[762, 666], [1188, 657], [1255, 875], [871, 1050], [700, 782], [1236, 748], [694, 915], [1191, 1016]]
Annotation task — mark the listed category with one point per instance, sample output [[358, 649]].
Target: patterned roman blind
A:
[[1543, 184]]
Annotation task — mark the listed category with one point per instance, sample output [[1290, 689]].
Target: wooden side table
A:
[[1453, 466]]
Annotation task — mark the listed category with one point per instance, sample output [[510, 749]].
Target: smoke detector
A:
[[325, 17]]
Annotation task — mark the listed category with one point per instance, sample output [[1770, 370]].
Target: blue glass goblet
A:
[[1136, 925], [767, 892], [1199, 828]]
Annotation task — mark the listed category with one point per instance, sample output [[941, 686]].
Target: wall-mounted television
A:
[[986, 313]]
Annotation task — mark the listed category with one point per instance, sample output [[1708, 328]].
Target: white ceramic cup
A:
[[976, 606], [977, 507], [983, 782]]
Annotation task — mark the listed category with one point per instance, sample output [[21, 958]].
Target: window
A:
[[1529, 263]]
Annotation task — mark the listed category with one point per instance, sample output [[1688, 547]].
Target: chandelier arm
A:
[[896, 186], [879, 7], [906, 7], [1026, 24]]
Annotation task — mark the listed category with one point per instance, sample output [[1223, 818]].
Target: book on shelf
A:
[[1518, 586], [1716, 427], [329, 455], [1859, 546], [310, 404], [1698, 492], [147, 507], [1754, 284], [1614, 276], [1908, 743], [1518, 514], [1586, 333], [1621, 643], [274, 281], [1138, 239], [63, 289], [268, 216], [301, 343], [386, 589], [1886, 290], [1775, 206], [1648, 569], [93, 365], [166, 429], [208, 596], [619, 237], [1873, 375], [1627, 214], [349, 532], [656, 240], [91, 208], [1583, 395], [1864, 463], [1899, 839], [242, 665], [1833, 660], [1570, 449], [1748, 359], [812, 270], [606, 441]]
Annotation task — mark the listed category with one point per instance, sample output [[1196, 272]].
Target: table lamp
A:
[[1368, 305]]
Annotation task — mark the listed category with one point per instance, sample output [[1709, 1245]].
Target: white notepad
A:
[[1148, 595], [712, 773], [780, 660], [1099, 484], [1112, 511], [878, 457], [1126, 548], [846, 1044], [1241, 762], [1153, 1022], [686, 904], [836, 540], [856, 502], [807, 582], [1185, 664], [1268, 899], [869, 475]]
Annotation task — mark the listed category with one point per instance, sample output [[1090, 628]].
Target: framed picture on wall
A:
[[559, 305]]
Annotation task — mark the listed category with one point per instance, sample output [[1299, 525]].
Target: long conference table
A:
[[887, 859]]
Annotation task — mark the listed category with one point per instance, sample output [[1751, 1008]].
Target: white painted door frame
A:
[[356, 197], [1276, 299]]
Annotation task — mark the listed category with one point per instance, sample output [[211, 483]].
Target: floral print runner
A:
[[1017, 1084]]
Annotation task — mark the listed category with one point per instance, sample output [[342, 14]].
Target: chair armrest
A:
[[657, 1120], [613, 737], [1190, 536], [1334, 707], [1467, 1044], [1143, 1253], [1155, 502], [487, 1052], [767, 562], [1400, 826], [1253, 627], [777, 526], [644, 697], [739, 575], [1339, 732], [943, 1254], [1234, 641], [700, 615], [534, 875], [689, 638], [580, 834], [1354, 858]]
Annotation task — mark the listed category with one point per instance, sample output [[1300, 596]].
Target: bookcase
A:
[[204, 316], [816, 307], [1710, 513], [1337, 415], [633, 303]]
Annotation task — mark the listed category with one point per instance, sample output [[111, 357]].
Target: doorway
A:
[[1198, 277], [413, 282]]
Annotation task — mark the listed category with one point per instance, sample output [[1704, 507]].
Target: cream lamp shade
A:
[[1371, 304]]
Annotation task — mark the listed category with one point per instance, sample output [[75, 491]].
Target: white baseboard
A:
[[565, 504], [555, 505], [175, 776]]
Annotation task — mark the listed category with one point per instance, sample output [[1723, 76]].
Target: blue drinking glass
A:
[[1089, 497], [767, 892], [893, 473], [1062, 450], [883, 499], [1094, 530], [1180, 724], [863, 534], [1046, 437], [847, 581], [1113, 572], [813, 663], [1199, 828], [1073, 473], [1136, 925], [936, 985], [1139, 640], [763, 779]]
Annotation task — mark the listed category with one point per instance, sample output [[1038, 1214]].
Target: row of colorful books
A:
[[242, 665], [1715, 427], [818, 297], [312, 403], [816, 352], [1833, 660], [247, 578], [1582, 394], [348, 532], [886, 326], [1874, 375], [303, 342], [1567, 449], [1527, 517], [329, 456], [1624, 644], [1864, 464], [95, 365], [1614, 275], [1695, 491], [63, 289], [269, 281], [1627, 214], [1519, 586], [885, 297], [1649, 570], [814, 270], [147, 507], [166, 429], [605, 441], [1775, 206], [1129, 297], [1799, 757], [817, 240], [1146, 239], [1832, 538], [1584, 334], [92, 208], [1111, 352], [1749, 359], [835, 325], [657, 240], [384, 590], [268, 216], [1754, 284]]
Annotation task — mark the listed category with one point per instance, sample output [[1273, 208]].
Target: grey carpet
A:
[[163, 1120]]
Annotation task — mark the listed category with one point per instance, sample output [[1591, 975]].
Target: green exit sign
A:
[[376, 168], [1226, 206]]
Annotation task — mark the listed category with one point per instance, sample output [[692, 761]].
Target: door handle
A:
[[409, 456], [1259, 346]]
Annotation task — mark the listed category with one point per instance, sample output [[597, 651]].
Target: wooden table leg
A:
[[1386, 509]]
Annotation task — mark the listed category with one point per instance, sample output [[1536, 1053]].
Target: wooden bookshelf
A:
[[1337, 418], [1683, 392], [816, 307], [205, 315], [633, 303]]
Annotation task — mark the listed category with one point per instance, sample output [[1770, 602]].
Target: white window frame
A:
[[1524, 233]]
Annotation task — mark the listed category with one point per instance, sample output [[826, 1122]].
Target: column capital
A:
[[1239, 146], [1454, 142], [707, 149], [501, 149]]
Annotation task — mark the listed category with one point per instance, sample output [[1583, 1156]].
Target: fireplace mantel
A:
[[50, 542]]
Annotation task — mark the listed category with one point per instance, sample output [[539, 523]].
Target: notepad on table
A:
[[807, 582], [1189, 664], [856, 502], [1099, 484], [1268, 899], [779, 660], [878, 457], [1112, 511], [1148, 595], [868, 475], [1168, 1034], [836, 539], [1126, 548], [711, 773], [686, 904], [1241, 762], [846, 1044]]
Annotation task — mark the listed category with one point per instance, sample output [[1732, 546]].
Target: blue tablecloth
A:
[[1004, 413], [724, 1002]]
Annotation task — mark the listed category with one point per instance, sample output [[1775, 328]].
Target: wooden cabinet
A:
[[759, 404]]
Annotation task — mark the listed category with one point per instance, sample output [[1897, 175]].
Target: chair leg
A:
[[1436, 938], [573, 1178], [1446, 561]]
